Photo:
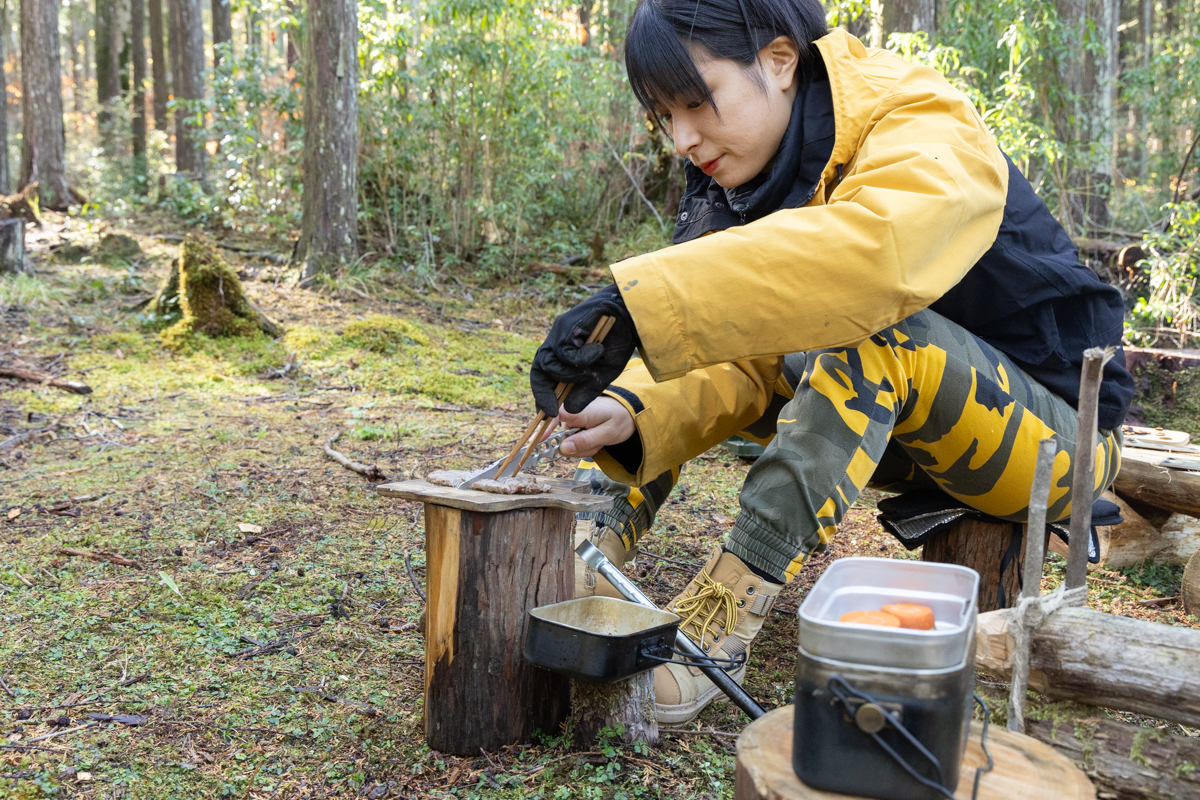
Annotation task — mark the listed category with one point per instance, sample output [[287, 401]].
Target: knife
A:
[[546, 450]]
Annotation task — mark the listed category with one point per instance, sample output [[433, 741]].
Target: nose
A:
[[687, 137]]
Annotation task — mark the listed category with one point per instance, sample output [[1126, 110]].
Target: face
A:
[[739, 144]]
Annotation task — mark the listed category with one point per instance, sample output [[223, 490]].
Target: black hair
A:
[[660, 67]]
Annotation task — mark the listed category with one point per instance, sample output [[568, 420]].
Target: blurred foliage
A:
[[496, 136]]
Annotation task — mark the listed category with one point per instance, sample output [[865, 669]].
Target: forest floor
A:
[[145, 680]]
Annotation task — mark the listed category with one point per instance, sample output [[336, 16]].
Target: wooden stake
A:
[[1084, 481], [1035, 555]]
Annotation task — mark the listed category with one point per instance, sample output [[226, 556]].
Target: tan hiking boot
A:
[[587, 581], [723, 609]]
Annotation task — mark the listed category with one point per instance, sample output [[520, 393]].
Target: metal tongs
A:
[[529, 455]]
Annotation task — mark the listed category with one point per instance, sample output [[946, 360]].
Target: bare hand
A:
[[606, 422]]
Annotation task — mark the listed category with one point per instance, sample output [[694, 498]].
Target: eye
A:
[[666, 118], [694, 105]]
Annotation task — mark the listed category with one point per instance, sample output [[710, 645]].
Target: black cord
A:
[[731, 664]]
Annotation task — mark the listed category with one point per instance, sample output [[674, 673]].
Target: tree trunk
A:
[[329, 226], [1148, 477], [1089, 77], [1104, 660], [190, 155], [222, 29], [174, 45], [137, 23], [294, 41], [73, 44], [43, 145], [627, 703], [4, 169], [585, 22], [158, 56], [901, 16], [108, 81]]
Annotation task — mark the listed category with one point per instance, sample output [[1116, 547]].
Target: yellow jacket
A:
[[920, 198]]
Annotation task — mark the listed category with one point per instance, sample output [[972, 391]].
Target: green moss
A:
[[381, 333], [129, 343], [307, 341], [210, 297], [1139, 742], [1169, 399], [117, 248]]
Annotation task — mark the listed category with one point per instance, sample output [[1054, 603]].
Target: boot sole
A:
[[673, 716]]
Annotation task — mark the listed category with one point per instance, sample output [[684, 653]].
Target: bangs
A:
[[661, 71]]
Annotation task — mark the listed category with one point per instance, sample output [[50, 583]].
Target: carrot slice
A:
[[871, 618], [912, 615]]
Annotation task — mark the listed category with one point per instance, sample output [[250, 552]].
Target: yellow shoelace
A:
[[710, 598]]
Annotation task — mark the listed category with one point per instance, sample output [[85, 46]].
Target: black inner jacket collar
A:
[[790, 183]]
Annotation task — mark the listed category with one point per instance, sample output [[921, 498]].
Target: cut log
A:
[[628, 704], [1024, 768], [12, 247], [992, 549], [1124, 761], [1190, 591], [1148, 476], [1144, 534], [1103, 660], [490, 559]]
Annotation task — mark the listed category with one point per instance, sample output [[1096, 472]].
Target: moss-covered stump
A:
[[210, 298], [118, 247]]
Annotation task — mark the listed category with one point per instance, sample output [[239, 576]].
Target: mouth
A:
[[710, 167]]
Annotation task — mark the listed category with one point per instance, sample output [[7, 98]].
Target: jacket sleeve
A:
[[682, 418], [919, 204]]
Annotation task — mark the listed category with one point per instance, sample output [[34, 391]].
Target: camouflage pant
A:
[[921, 404]]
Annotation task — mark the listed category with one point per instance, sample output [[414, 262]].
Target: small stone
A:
[[24, 713], [66, 771], [178, 551], [272, 549], [62, 721], [300, 572]]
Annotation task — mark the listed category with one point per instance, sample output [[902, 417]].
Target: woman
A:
[[859, 275]]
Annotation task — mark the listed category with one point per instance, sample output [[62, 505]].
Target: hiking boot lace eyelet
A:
[[741, 603], [749, 590]]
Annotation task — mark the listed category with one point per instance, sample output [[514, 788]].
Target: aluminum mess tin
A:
[[831, 752], [599, 639], [867, 584]]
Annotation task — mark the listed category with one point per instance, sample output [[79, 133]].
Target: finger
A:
[[583, 444]]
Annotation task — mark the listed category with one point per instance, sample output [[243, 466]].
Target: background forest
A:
[[495, 134], [196, 601]]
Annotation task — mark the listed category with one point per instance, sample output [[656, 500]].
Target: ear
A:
[[779, 60]]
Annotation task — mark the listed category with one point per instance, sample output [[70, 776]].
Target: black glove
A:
[[565, 357]]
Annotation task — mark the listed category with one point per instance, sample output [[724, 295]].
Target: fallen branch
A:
[[371, 473], [7, 690], [412, 577], [320, 692], [270, 647], [63, 732], [101, 555], [48, 380]]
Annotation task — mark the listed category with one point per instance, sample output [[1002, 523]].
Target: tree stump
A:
[[489, 559], [209, 296], [993, 549], [628, 704], [1025, 768], [12, 246]]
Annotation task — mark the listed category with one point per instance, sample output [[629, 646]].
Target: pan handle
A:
[[731, 664]]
